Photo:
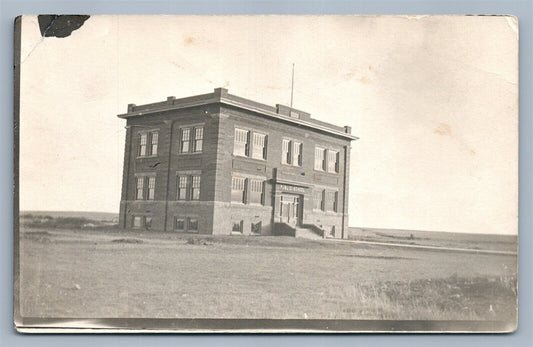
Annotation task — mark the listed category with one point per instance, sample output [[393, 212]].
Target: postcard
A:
[[266, 174]]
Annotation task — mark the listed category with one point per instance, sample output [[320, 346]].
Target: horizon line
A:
[[349, 226]]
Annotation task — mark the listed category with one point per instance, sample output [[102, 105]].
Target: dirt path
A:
[[447, 249]]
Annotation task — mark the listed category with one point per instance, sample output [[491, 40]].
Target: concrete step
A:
[[307, 234]]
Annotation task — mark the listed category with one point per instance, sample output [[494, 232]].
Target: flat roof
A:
[[221, 95]]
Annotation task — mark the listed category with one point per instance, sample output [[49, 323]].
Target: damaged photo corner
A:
[[289, 183]]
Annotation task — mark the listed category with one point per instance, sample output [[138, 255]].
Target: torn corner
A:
[[60, 25], [512, 21]]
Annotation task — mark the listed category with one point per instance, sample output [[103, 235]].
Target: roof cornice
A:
[[214, 99]]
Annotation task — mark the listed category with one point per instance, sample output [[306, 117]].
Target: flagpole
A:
[[292, 83]]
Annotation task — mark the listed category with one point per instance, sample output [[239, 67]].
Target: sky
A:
[[433, 99]]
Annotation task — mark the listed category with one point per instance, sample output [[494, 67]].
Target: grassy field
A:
[[100, 216], [95, 273], [438, 239]]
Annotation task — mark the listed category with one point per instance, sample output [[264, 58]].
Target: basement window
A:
[[137, 221], [179, 224], [256, 228], [193, 225], [237, 227]]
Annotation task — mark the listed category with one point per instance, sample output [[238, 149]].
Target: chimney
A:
[[131, 107], [221, 92], [347, 129]]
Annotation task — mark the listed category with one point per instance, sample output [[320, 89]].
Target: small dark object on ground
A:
[[197, 241], [127, 241]]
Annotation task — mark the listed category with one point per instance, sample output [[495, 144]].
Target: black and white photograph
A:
[[266, 173]]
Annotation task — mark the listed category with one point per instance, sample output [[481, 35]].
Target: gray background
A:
[[9, 9]]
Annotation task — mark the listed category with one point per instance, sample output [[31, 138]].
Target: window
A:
[[142, 144], [145, 191], [320, 159], [333, 161], [259, 146], [256, 228], [183, 224], [336, 202], [155, 140], [286, 152], [179, 224], [195, 190], [318, 199], [140, 188], [256, 191], [331, 201], [182, 187], [241, 145], [198, 139], [297, 153], [291, 152], [148, 143], [237, 227], [185, 140], [137, 221], [326, 160], [151, 188], [247, 190], [238, 189], [250, 144], [194, 135], [142, 221], [188, 187], [192, 225]]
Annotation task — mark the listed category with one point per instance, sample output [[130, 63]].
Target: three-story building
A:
[[221, 164]]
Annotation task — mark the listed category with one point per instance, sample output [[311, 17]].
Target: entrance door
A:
[[290, 208]]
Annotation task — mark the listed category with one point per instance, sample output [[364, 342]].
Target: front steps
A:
[[305, 233]]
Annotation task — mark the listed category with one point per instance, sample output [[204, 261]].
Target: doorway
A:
[[290, 209]]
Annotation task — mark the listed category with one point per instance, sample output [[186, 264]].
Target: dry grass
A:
[[112, 274], [449, 298]]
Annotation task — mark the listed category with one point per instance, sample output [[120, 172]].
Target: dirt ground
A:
[[109, 274]]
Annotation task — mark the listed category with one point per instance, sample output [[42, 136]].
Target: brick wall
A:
[[167, 164], [215, 213], [227, 163]]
